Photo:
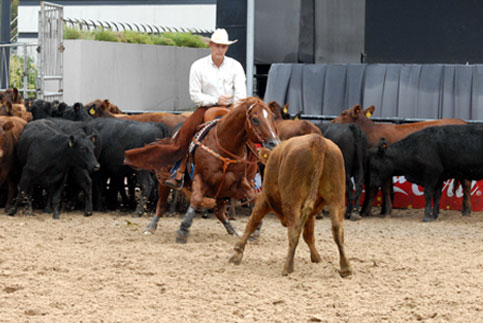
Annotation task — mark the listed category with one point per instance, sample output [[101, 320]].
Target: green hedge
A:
[[16, 73], [133, 37]]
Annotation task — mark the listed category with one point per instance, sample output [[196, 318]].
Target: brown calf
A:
[[98, 108], [11, 95], [392, 132], [15, 110], [302, 175], [291, 128], [10, 130]]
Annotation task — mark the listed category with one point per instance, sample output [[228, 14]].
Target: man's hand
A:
[[224, 100]]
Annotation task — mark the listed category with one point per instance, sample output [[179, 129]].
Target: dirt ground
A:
[[104, 269]]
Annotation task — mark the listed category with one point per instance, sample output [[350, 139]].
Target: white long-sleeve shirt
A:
[[208, 82]]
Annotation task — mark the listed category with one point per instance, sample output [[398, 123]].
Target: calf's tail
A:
[[318, 159]]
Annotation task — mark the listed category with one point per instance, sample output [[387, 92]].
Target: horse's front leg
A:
[[197, 192], [221, 215]]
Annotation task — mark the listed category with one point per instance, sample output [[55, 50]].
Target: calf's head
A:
[[379, 166], [81, 149]]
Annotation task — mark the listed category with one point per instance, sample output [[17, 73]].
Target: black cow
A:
[[117, 136], [79, 176], [40, 109], [353, 143], [428, 158], [46, 155], [77, 112]]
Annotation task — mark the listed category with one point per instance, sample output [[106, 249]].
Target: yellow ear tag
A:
[[70, 144], [296, 118], [368, 114], [285, 110], [92, 111], [265, 156]]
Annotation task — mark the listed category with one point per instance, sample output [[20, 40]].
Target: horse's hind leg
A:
[[197, 193], [161, 207], [221, 215]]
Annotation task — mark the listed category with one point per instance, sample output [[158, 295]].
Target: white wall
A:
[[132, 76]]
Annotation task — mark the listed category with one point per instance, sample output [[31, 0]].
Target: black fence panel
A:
[[413, 91]]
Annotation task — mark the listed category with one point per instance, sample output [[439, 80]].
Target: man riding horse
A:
[[215, 80]]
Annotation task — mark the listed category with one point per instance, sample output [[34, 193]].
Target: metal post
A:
[[250, 44], [5, 39], [25, 77]]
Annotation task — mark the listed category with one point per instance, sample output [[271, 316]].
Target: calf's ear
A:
[[71, 141], [8, 107], [382, 147], [356, 110], [7, 126], [77, 106], [368, 112], [263, 155]]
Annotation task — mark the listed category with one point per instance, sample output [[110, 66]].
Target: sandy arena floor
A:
[[104, 269]]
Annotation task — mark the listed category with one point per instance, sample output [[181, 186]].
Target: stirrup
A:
[[177, 185]]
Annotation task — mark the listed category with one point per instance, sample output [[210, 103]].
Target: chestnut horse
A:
[[392, 133], [225, 161]]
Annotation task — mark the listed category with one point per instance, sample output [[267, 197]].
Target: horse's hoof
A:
[[428, 219], [86, 214], [355, 217], [345, 273], [56, 217], [147, 232], [181, 240], [236, 258], [181, 236]]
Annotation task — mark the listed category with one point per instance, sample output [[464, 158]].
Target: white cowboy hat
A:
[[220, 36]]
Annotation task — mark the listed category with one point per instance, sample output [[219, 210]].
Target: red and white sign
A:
[[411, 196]]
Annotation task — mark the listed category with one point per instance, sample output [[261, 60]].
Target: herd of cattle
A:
[[52, 152], [46, 147]]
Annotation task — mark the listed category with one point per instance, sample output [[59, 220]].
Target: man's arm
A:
[[196, 95], [239, 84]]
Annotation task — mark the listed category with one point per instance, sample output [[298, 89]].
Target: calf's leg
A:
[[310, 239], [336, 218], [466, 207], [259, 211]]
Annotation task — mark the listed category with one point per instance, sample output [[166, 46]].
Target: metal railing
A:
[[89, 24], [24, 50]]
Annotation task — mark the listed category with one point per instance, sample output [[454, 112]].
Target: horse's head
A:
[[260, 124]]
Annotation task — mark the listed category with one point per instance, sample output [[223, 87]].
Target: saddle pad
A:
[[201, 134]]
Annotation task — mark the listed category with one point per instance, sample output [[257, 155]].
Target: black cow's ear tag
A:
[[285, 110], [70, 144], [368, 114], [92, 111]]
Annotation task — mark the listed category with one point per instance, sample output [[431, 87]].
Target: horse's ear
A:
[[356, 110], [263, 155], [368, 112]]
